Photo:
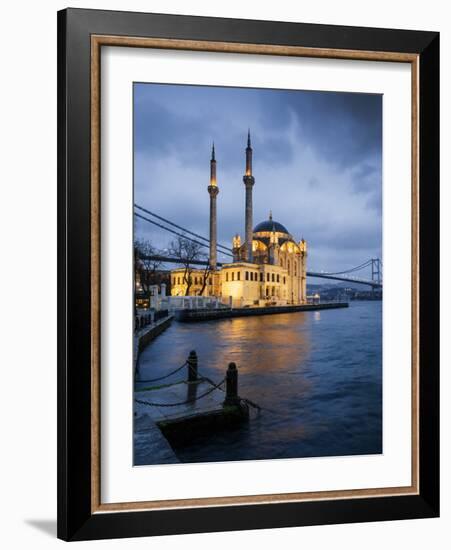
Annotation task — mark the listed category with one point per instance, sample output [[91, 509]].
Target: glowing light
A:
[[236, 241]]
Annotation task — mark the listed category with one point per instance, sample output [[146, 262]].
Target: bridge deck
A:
[[318, 274]]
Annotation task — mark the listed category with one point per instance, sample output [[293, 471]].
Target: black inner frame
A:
[[75, 521]]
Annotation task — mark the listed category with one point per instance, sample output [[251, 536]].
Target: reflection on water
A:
[[318, 376]]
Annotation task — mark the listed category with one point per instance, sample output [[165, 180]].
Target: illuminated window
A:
[[247, 275]]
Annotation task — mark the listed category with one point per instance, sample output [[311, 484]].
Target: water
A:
[[318, 376]]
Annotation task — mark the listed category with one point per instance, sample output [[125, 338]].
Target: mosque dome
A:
[[270, 225], [261, 230]]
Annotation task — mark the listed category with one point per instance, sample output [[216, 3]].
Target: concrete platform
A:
[[180, 411], [182, 392], [149, 444]]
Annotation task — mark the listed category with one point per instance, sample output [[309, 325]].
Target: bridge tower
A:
[[376, 270], [213, 191], [248, 180]]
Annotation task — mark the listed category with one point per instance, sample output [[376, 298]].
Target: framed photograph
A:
[[248, 274]]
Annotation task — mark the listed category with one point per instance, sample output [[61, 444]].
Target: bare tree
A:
[[205, 276], [187, 252], [146, 264]]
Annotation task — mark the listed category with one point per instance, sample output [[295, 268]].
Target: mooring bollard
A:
[[232, 386], [192, 366]]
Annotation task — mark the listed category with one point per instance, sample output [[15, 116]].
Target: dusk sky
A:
[[317, 163]]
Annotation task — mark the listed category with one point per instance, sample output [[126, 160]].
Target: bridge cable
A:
[[350, 270], [177, 233], [179, 227]]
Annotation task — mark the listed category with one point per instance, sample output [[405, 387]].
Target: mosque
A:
[[268, 268]]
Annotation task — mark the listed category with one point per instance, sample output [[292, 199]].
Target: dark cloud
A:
[[317, 163]]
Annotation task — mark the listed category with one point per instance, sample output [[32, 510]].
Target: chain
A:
[[150, 404], [165, 376], [252, 404]]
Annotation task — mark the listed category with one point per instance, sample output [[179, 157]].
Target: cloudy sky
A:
[[317, 165]]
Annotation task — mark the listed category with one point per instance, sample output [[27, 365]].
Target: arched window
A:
[[267, 277], [238, 275], [261, 276], [295, 269], [278, 278], [281, 262], [272, 277], [247, 275]]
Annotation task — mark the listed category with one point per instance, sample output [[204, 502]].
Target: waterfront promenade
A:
[[193, 315]]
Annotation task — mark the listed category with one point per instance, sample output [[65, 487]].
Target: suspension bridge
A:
[[374, 265]]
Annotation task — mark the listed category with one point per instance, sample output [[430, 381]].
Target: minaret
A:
[[213, 191], [303, 271], [273, 248], [249, 181]]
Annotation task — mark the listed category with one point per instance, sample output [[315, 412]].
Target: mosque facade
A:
[[269, 266]]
